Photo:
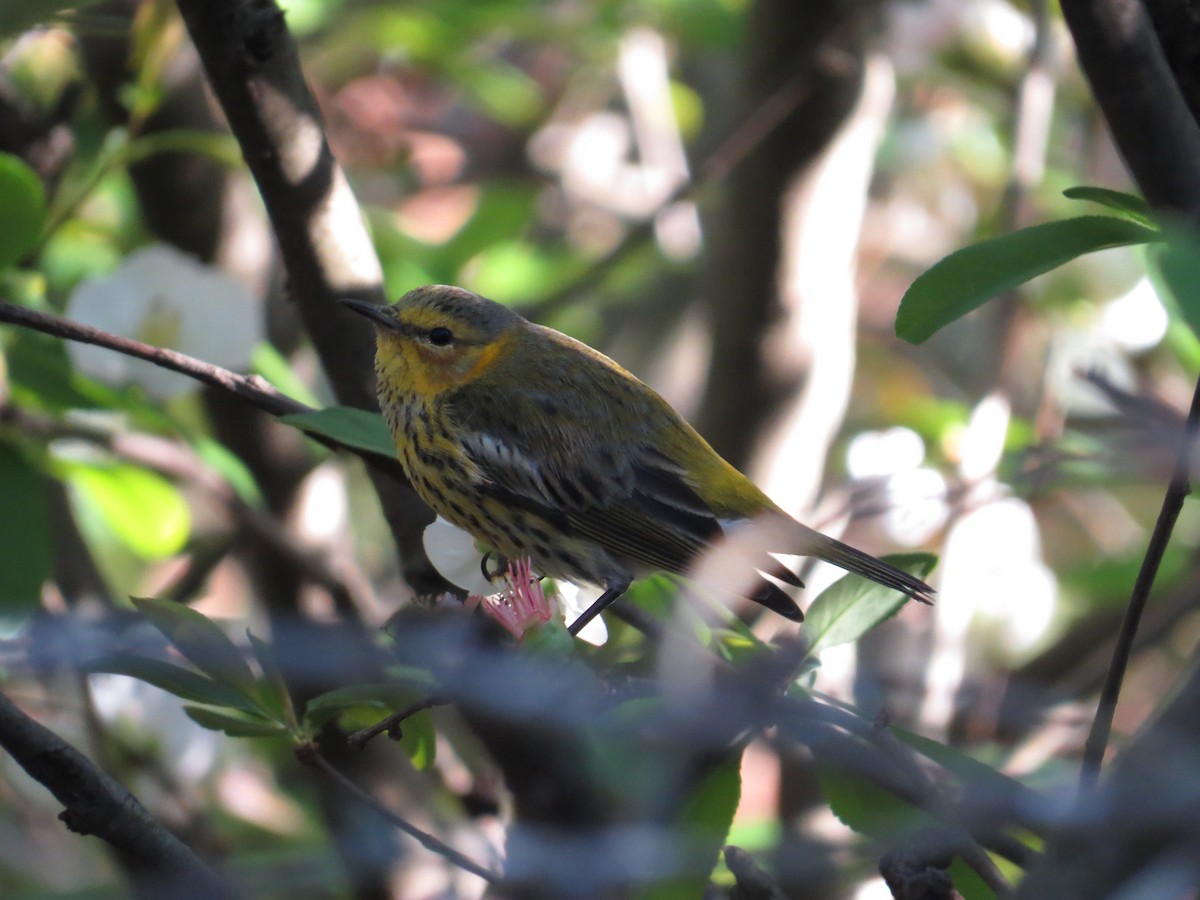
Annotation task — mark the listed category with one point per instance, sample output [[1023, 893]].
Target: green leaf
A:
[[26, 562], [708, 812], [419, 739], [273, 689], [41, 374], [850, 607], [1175, 271], [1132, 207], [229, 466], [234, 726], [520, 271], [968, 277], [22, 209], [269, 363], [866, 808], [388, 697], [503, 91], [202, 642], [348, 426], [183, 683], [704, 824], [969, 770], [869, 810], [141, 508]]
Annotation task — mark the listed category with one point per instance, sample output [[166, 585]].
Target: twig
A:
[[98, 805], [251, 388], [1177, 490], [426, 840], [391, 724]]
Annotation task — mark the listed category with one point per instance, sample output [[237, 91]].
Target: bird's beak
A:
[[377, 314]]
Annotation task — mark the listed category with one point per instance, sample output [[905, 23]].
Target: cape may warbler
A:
[[542, 447]]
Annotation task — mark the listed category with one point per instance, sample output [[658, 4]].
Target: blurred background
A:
[[730, 198]]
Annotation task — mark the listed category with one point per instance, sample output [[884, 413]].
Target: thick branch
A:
[[1150, 121], [98, 805], [254, 70]]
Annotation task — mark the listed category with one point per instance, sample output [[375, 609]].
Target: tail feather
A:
[[813, 543]]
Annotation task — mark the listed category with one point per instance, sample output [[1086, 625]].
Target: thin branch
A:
[[426, 840], [1177, 491], [98, 805], [391, 724], [251, 388]]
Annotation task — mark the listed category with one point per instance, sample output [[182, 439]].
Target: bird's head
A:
[[438, 337]]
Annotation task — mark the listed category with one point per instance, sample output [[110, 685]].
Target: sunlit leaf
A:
[[419, 739], [141, 508], [519, 272], [269, 363], [200, 639], [851, 606], [22, 209], [229, 466], [969, 277], [25, 557], [234, 726], [503, 91], [348, 426], [183, 683]]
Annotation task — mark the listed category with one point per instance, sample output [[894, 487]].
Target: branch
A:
[[251, 388], [1172, 505], [1149, 119], [98, 805], [253, 67], [426, 840]]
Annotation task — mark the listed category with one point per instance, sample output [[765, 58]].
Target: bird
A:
[[542, 447]]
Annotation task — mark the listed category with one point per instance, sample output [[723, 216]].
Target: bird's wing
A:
[[597, 478]]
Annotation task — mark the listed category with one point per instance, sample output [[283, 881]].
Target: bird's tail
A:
[[813, 543]]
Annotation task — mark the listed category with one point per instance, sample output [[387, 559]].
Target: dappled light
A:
[[923, 270]]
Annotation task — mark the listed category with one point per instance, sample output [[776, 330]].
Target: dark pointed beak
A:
[[377, 314]]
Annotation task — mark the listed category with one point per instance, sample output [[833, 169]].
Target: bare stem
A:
[[426, 840], [1177, 490]]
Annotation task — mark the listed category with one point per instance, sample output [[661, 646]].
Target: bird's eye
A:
[[440, 337]]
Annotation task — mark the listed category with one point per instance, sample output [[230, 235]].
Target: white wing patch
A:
[[520, 471]]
